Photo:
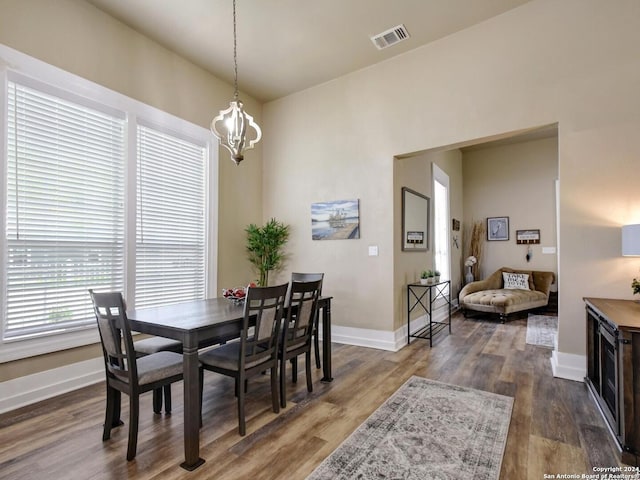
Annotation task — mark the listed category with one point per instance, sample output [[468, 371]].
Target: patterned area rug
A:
[[426, 430], [542, 330]]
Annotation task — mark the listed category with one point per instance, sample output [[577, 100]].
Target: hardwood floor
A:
[[555, 427]]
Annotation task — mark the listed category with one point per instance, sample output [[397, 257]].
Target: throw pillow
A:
[[515, 280], [526, 272]]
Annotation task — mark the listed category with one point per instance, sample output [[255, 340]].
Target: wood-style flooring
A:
[[555, 427]]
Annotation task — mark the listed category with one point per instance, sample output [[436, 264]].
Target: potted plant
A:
[[431, 278], [436, 275], [424, 277], [265, 247]]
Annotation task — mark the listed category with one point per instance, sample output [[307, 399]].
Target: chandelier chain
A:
[[235, 54]]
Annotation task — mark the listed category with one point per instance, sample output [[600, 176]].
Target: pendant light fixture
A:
[[233, 125]]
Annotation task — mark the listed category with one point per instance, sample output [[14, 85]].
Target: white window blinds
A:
[[170, 226], [65, 215]]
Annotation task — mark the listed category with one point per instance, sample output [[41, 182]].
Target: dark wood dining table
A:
[[206, 322]]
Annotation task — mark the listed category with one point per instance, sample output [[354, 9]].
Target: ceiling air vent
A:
[[390, 37]]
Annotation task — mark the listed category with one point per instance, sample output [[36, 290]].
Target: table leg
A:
[[326, 343], [192, 458], [117, 402], [449, 306], [408, 315]]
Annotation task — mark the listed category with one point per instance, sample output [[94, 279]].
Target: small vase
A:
[[469, 276]]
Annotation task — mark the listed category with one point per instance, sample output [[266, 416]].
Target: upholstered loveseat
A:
[[516, 291]]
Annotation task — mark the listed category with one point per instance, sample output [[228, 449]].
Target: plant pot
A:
[[436, 279], [423, 281], [431, 281]]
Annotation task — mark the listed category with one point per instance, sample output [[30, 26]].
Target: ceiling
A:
[[285, 46]]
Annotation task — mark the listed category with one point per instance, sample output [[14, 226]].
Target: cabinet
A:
[[424, 297], [613, 369]]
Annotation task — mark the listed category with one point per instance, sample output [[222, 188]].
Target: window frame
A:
[[441, 177], [28, 70], [163, 130]]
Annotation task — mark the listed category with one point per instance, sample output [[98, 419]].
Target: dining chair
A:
[[257, 349], [297, 332], [151, 345], [127, 372], [311, 277]]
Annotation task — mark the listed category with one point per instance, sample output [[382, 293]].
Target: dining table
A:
[[200, 323]]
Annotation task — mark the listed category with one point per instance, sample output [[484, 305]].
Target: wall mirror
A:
[[415, 221]]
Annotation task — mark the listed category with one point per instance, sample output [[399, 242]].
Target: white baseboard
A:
[[381, 339], [39, 386], [363, 337], [569, 366]]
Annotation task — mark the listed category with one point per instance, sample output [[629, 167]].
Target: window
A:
[[102, 192], [441, 223], [65, 221], [170, 234]]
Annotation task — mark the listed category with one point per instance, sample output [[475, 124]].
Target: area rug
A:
[[426, 430], [542, 330]]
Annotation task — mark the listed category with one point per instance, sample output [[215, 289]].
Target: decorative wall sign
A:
[[455, 225], [526, 237], [498, 228], [415, 238], [335, 220]]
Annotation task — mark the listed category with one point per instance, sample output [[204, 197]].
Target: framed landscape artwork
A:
[[335, 220], [497, 228]]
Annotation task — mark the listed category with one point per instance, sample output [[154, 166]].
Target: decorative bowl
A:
[[236, 295]]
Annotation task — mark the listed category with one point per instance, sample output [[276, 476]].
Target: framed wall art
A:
[[498, 228], [335, 220]]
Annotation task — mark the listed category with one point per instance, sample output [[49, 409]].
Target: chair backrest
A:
[[308, 277], [115, 336], [303, 307], [305, 277], [266, 306]]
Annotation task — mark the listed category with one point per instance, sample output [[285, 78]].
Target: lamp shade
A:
[[631, 240]]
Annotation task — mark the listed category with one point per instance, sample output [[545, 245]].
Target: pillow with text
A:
[[516, 280]]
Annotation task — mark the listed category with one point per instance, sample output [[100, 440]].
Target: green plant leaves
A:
[[265, 247]]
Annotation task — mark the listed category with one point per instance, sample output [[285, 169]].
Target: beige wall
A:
[[515, 181], [416, 173], [572, 61], [80, 39]]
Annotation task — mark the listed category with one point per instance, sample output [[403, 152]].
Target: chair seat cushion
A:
[[227, 357], [158, 366], [157, 344]]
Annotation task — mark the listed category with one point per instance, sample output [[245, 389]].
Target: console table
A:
[[423, 297], [613, 369]]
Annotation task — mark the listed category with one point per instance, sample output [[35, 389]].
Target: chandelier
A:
[[231, 125]]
